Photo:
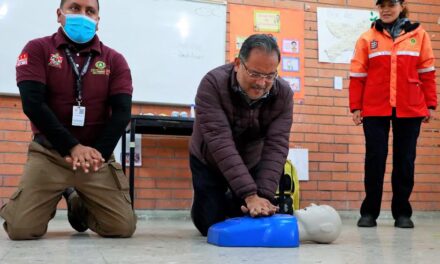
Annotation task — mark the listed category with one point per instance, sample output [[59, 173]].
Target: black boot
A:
[[404, 222], [76, 211], [366, 221]]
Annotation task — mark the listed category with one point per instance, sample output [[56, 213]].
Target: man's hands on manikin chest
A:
[[258, 206]]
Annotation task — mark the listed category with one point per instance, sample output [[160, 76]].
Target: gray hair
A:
[[259, 41]]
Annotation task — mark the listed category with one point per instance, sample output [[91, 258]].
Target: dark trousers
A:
[[213, 201], [405, 134]]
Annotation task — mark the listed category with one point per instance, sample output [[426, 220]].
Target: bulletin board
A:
[[286, 26]]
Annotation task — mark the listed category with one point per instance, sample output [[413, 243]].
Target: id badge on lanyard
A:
[[78, 111], [78, 115]]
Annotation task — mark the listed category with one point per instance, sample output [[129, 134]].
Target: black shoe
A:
[[76, 211], [366, 221], [404, 222]]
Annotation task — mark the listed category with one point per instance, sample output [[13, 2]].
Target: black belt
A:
[[42, 140]]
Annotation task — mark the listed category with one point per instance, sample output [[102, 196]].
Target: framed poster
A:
[[290, 46], [266, 21], [290, 64], [294, 83]]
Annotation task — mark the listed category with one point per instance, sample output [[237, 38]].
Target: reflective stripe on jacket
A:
[[386, 74]]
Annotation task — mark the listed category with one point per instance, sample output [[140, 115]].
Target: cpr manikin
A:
[[318, 223], [315, 223]]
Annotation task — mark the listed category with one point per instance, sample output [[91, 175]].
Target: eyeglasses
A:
[[256, 75]]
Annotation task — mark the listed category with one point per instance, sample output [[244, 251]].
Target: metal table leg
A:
[[132, 148]]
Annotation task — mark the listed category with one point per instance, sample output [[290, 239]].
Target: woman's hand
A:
[[429, 117], [357, 118]]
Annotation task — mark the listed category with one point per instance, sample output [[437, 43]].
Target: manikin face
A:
[[321, 222], [257, 74], [87, 8], [389, 11]]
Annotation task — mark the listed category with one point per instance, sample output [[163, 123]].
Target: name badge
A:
[[78, 115]]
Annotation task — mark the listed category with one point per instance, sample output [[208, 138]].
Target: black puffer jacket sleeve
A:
[[216, 132]]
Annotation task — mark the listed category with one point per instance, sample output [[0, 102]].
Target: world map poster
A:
[[338, 31]]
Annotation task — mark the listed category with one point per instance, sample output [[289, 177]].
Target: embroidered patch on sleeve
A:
[[22, 59]]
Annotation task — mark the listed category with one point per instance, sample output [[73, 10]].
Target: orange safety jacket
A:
[[385, 74]]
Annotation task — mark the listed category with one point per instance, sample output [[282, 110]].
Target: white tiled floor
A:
[[163, 239]]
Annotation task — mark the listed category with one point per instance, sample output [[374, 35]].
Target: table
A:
[[154, 125]]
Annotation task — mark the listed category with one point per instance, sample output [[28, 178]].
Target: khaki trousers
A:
[[104, 193]]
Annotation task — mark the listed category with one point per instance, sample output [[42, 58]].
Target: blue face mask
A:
[[79, 28]]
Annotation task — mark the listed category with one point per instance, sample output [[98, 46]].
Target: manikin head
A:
[[318, 223]]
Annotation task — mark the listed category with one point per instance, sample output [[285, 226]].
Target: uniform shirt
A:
[[44, 60], [386, 73]]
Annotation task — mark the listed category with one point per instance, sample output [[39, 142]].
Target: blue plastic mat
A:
[[274, 231]]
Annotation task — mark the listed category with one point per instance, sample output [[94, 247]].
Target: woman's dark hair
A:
[[259, 41], [405, 12]]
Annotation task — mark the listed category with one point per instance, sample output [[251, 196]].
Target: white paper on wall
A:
[[300, 159]]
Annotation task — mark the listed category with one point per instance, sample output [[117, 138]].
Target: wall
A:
[[322, 124]]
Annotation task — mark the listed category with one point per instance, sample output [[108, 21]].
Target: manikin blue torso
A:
[[274, 231]]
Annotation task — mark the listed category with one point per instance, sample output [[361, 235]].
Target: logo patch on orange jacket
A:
[[374, 44]]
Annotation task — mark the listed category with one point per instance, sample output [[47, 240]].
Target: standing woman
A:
[[392, 81]]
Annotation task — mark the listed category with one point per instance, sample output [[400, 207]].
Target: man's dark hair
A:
[[259, 41], [63, 1]]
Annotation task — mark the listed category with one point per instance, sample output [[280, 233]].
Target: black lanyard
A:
[[78, 74]]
